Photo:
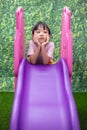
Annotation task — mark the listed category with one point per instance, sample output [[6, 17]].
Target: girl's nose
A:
[[41, 33]]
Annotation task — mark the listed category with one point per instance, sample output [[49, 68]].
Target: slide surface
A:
[[43, 98]]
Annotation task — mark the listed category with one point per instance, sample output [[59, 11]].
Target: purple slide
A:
[[43, 98], [43, 93]]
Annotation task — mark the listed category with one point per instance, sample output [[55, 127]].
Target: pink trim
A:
[[19, 41], [66, 39]]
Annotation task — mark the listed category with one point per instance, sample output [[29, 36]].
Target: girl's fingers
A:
[[46, 41], [38, 42]]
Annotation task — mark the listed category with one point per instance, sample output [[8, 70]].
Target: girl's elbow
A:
[[45, 62], [33, 62]]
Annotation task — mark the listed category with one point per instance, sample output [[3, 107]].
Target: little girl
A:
[[40, 48]]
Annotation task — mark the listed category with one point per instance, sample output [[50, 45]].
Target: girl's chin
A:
[[41, 41]]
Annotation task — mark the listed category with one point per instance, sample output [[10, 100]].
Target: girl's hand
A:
[[36, 41], [48, 38]]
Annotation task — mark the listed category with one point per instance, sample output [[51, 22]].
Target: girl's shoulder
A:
[[51, 44], [31, 41]]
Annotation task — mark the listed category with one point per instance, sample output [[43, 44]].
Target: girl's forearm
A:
[[46, 58], [33, 58]]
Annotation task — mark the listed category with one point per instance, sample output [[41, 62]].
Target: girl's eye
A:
[[45, 31], [38, 31]]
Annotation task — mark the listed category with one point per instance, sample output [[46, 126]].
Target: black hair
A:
[[43, 24]]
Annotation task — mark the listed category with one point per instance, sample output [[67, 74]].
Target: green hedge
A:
[[51, 12]]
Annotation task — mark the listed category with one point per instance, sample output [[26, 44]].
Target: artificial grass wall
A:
[[6, 101]]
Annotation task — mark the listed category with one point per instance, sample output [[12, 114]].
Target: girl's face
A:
[[41, 34]]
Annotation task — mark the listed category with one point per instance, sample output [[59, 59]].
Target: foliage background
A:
[[49, 11]]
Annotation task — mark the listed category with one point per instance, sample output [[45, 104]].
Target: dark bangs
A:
[[43, 24]]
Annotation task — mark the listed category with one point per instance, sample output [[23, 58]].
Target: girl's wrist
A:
[[42, 46], [38, 46]]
